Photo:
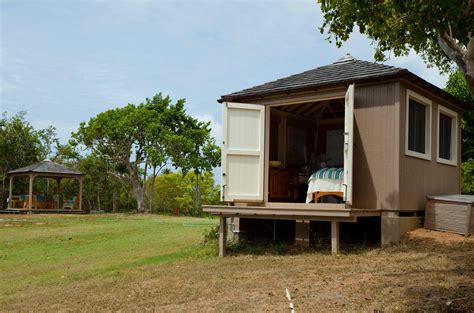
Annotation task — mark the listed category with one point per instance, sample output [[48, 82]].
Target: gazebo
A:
[[47, 169]]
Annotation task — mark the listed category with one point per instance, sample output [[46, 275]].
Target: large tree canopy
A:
[[441, 31], [135, 137]]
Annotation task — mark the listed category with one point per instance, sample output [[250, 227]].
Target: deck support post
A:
[[390, 228], [334, 237], [222, 236], [30, 202], [80, 193], [10, 193], [302, 231]]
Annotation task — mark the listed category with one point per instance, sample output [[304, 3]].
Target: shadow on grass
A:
[[445, 287], [266, 247]]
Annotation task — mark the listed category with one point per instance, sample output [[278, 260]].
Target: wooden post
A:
[[30, 202], [58, 182], [222, 236], [334, 237], [10, 193], [302, 233], [80, 193]]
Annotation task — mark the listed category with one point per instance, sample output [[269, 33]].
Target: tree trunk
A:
[[144, 187], [152, 191], [197, 197], [137, 188], [469, 75], [98, 200], [3, 191], [464, 59], [114, 200]]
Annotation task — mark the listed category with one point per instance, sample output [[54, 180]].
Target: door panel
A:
[[243, 151], [348, 143]]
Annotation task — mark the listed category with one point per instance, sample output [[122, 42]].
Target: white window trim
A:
[[427, 103], [454, 136]]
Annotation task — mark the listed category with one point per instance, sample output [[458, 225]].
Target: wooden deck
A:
[[277, 210], [334, 213]]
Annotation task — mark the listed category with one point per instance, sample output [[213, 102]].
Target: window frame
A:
[[428, 125], [454, 136]]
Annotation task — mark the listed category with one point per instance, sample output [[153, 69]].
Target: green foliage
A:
[[467, 177], [117, 149], [457, 86], [175, 190], [144, 134], [21, 145], [211, 234], [399, 26]]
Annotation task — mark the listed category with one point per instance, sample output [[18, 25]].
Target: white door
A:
[[242, 152], [348, 143]]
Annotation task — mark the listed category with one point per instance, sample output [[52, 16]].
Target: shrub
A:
[[467, 177], [211, 234]]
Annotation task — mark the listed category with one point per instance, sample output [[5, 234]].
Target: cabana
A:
[[355, 144], [47, 169]]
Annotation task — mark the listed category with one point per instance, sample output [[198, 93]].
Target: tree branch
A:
[[453, 51], [468, 9], [124, 178], [469, 59]]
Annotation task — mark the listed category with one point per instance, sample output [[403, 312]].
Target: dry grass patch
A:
[[428, 271]]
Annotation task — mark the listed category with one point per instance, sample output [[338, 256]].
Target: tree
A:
[[21, 145], [456, 85], [136, 137], [195, 151], [442, 31], [176, 190]]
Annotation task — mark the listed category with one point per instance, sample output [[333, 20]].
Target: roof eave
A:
[[403, 73], [232, 97], [438, 91]]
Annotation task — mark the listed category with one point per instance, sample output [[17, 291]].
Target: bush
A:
[[467, 177], [211, 234]]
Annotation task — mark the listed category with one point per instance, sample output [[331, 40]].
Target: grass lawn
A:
[[138, 263]]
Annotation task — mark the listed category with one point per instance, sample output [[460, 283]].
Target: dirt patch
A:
[[427, 236]]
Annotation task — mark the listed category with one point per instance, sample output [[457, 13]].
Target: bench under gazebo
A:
[[32, 203]]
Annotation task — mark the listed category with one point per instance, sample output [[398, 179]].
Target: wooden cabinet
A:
[[282, 185]]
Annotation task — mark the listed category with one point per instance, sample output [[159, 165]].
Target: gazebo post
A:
[[80, 193], [58, 182], [30, 203], [10, 193]]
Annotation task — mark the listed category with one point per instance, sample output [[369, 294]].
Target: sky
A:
[[66, 61]]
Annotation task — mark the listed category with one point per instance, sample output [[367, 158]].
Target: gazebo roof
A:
[[46, 167]]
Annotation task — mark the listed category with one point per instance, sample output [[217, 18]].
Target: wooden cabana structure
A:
[[46, 169]]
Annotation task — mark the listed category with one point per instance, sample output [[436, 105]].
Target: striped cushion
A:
[[328, 173]]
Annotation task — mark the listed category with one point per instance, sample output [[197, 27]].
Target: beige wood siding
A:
[[421, 178], [375, 149]]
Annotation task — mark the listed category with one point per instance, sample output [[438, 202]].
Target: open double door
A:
[[243, 150]]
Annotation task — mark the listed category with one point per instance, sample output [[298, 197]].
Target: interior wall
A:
[[420, 178], [287, 151]]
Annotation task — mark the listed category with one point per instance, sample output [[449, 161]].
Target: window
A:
[[418, 126], [447, 129]]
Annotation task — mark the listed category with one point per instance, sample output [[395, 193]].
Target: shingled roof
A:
[[47, 167], [346, 70]]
